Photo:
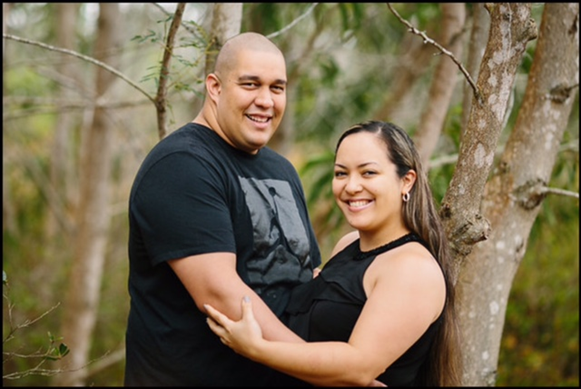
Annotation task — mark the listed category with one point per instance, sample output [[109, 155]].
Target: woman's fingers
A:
[[215, 327], [221, 324], [247, 312], [217, 321], [215, 314]]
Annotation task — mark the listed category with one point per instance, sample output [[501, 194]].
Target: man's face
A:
[[252, 100]]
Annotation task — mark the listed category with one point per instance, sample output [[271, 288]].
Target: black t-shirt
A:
[[196, 194]]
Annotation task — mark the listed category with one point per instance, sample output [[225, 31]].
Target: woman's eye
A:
[[339, 174]]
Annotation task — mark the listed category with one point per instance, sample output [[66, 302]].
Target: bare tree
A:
[[412, 63], [92, 217], [8, 217], [511, 29], [161, 97], [60, 173], [476, 45], [517, 188], [443, 82], [226, 22]]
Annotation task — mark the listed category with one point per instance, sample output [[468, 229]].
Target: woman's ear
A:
[[409, 180]]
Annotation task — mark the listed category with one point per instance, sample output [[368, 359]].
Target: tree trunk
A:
[[226, 22], [476, 46], [8, 215], [93, 217], [60, 172], [511, 28], [413, 62], [443, 82], [514, 195]]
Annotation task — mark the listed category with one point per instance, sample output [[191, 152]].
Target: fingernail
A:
[[246, 299]]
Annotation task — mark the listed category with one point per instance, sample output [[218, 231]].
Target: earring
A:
[[405, 197]]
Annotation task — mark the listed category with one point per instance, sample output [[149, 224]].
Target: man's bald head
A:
[[247, 41], [246, 94]]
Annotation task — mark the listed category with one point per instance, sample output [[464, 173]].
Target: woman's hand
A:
[[241, 336], [316, 272], [244, 336]]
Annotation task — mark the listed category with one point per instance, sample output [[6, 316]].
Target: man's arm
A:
[[212, 279]]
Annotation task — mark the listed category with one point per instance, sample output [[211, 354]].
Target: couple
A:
[[217, 218]]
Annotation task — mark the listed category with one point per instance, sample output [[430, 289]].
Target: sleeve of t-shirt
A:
[[181, 209]]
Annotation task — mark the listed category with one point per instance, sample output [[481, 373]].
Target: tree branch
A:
[[184, 25], [308, 11], [426, 39], [105, 361], [563, 192], [160, 98], [81, 56]]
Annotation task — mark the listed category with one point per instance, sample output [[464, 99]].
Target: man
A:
[[214, 215]]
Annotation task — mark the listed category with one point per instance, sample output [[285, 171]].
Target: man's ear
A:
[[213, 86]]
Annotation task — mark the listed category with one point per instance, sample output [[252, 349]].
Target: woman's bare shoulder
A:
[[345, 241]]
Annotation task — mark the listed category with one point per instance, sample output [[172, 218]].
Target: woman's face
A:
[[366, 186]]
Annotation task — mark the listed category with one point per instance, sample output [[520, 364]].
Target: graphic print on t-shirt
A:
[[281, 244]]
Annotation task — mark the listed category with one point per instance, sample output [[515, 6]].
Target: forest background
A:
[[83, 103]]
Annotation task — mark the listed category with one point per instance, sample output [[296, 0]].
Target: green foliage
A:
[[21, 359], [25, 81], [56, 352], [540, 345], [352, 15], [182, 65]]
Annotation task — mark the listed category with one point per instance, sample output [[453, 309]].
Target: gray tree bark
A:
[[61, 172], [226, 22], [413, 62], [92, 217], [476, 46], [511, 29], [8, 216], [443, 82], [513, 196]]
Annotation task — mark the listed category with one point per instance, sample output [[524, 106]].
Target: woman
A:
[[383, 306]]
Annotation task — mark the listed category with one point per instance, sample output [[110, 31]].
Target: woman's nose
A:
[[353, 185]]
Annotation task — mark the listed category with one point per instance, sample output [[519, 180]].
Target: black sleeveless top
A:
[[327, 307]]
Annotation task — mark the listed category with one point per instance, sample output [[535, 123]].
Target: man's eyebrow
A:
[[248, 77]]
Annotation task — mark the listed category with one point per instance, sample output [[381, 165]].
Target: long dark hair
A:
[[444, 364]]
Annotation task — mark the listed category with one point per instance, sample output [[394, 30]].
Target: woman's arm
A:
[[405, 296], [310, 363]]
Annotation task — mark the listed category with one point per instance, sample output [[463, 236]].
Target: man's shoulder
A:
[[191, 129], [191, 137], [274, 156]]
